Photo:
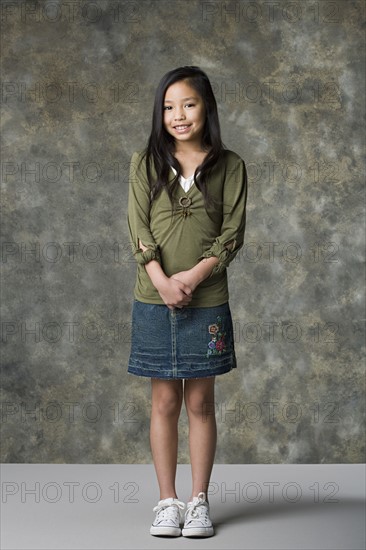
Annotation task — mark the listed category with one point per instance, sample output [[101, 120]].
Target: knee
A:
[[199, 405], [167, 403]]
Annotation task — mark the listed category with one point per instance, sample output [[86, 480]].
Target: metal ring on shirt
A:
[[185, 202]]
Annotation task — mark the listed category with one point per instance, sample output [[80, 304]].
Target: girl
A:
[[186, 218]]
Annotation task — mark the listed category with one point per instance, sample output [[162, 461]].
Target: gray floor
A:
[[65, 506]]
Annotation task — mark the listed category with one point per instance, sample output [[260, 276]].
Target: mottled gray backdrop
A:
[[77, 95]]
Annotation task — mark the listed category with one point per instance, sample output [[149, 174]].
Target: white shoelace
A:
[[168, 510], [202, 514]]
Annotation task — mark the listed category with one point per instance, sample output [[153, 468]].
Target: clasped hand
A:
[[178, 289]]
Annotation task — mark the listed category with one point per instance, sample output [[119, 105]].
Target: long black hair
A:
[[161, 145]]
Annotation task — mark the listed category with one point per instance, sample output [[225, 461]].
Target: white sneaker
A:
[[167, 518], [197, 520]]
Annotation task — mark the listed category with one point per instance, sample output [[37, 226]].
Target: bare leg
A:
[[166, 397], [199, 396]]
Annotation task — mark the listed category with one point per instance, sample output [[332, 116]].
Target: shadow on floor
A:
[[231, 512]]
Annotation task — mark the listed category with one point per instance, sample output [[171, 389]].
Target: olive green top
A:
[[180, 241]]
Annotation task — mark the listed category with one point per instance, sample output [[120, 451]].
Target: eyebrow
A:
[[184, 99]]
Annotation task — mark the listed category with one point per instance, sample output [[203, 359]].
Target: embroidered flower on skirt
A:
[[217, 345]]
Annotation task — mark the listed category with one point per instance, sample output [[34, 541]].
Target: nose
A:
[[179, 115]]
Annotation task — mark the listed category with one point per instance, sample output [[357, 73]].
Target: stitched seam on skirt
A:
[[174, 344]]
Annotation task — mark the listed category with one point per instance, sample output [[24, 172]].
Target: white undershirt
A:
[[186, 183]]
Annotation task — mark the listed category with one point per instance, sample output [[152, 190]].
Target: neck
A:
[[189, 149], [182, 148]]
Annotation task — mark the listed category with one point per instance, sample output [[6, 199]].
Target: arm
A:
[[198, 273], [144, 248], [138, 216], [231, 238]]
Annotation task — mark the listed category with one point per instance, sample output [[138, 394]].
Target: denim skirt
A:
[[179, 343]]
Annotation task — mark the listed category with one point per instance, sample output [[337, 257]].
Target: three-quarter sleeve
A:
[[231, 238], [138, 214]]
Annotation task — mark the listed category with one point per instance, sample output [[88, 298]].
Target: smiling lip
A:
[[182, 127]]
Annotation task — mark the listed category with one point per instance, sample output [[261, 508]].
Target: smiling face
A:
[[184, 113]]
